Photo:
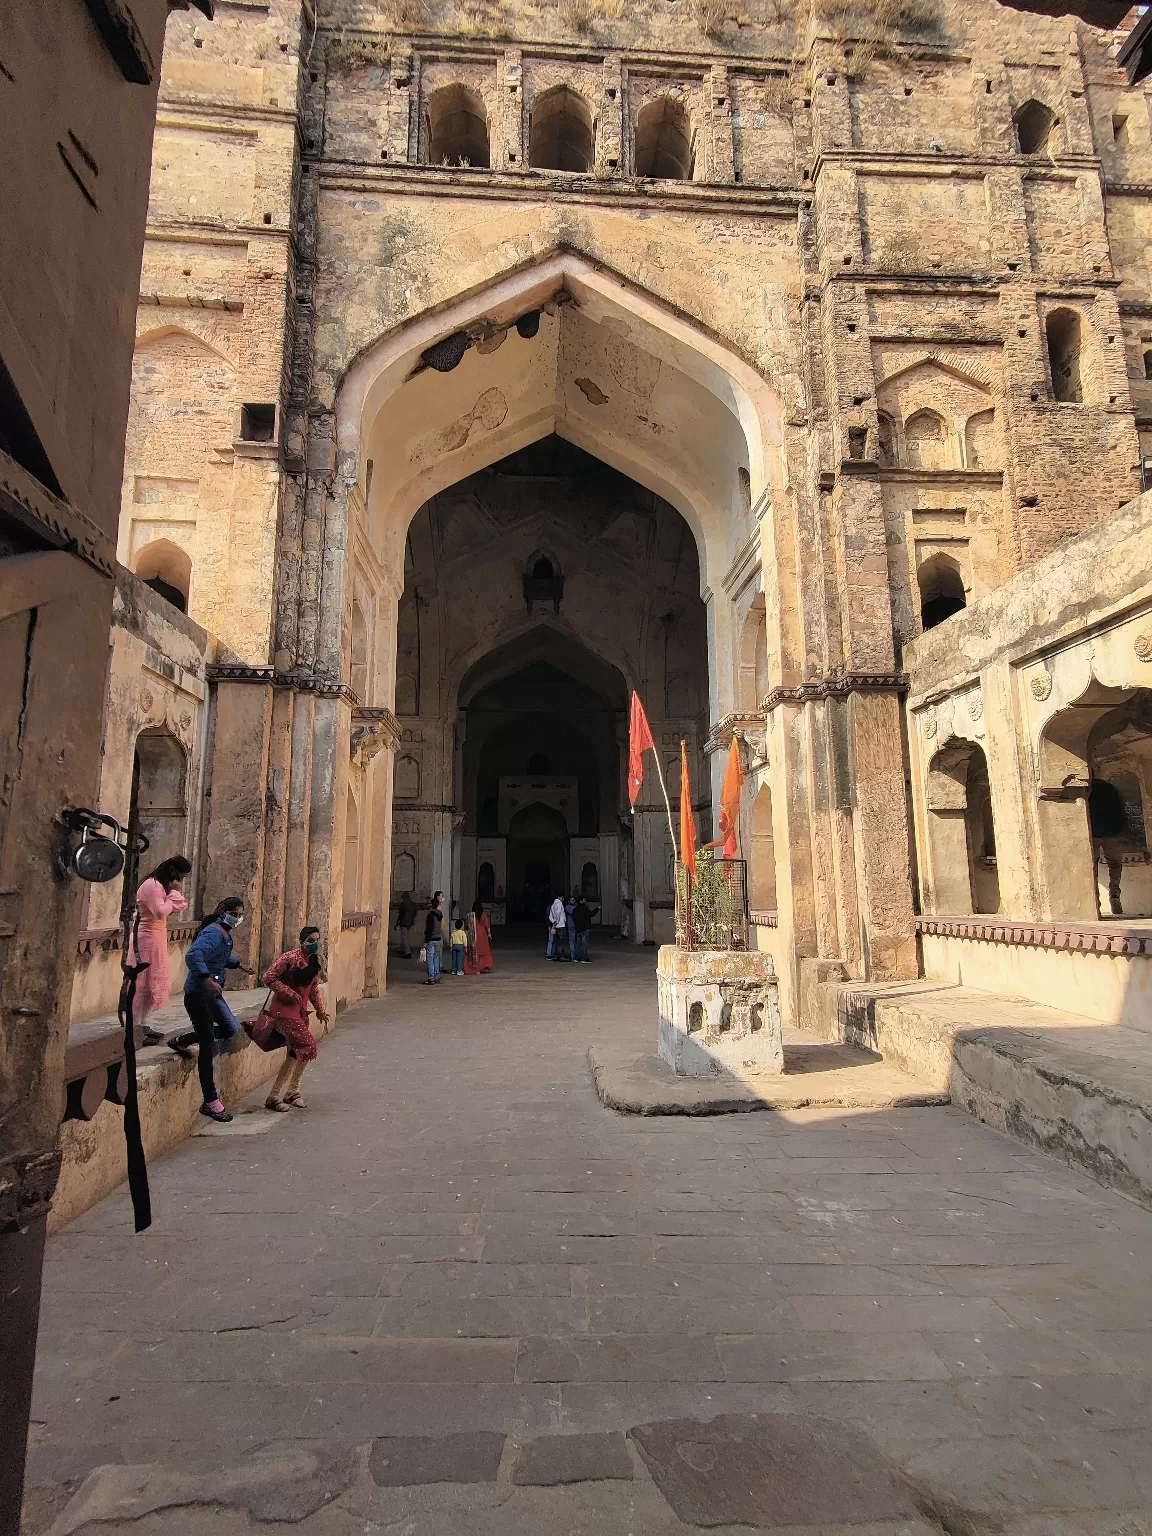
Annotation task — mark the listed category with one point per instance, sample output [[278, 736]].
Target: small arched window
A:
[[925, 441], [457, 128], [1034, 122], [542, 569], [1062, 330], [167, 569], [561, 135], [941, 590], [403, 874], [663, 140]]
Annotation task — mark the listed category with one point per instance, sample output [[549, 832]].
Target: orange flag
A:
[[730, 803], [639, 741], [687, 820]]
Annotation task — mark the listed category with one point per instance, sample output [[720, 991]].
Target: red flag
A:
[[687, 820], [730, 803], [639, 741]]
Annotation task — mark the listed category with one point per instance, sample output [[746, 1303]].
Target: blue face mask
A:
[[232, 919]]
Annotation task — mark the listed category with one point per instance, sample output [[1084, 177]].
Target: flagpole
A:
[[667, 803]]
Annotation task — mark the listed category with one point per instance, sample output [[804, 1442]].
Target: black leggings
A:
[[198, 1007]]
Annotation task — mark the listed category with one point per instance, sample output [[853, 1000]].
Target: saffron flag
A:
[[639, 741], [687, 820], [730, 804]]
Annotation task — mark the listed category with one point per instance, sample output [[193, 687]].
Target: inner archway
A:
[[523, 705]]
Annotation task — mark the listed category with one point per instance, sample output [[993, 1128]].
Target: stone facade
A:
[[858, 313]]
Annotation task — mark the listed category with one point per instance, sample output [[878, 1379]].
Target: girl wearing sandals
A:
[[293, 978]]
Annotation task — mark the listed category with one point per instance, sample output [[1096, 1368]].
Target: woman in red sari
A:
[[293, 978], [479, 956]]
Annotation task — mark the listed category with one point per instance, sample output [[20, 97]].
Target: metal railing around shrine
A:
[[712, 905]]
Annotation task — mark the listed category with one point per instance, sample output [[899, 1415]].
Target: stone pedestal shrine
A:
[[719, 1012]]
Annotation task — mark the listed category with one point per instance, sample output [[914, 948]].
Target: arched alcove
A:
[[1034, 123], [1063, 332], [486, 882], [358, 671], [167, 569], [590, 882], [980, 447], [664, 140], [926, 441], [403, 874], [457, 128], [888, 441], [762, 864], [962, 846], [753, 682], [352, 856], [407, 780], [942, 591], [159, 804], [561, 134]]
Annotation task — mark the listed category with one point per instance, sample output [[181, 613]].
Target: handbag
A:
[[262, 1029]]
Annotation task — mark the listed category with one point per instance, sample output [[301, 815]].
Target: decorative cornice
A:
[[764, 919], [1094, 938], [53, 519], [274, 677], [837, 687], [357, 920]]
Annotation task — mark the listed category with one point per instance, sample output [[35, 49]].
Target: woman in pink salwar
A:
[[158, 897]]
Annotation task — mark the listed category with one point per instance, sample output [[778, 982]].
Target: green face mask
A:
[[311, 946]]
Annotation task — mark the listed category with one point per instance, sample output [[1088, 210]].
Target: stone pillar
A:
[[609, 136], [721, 158], [372, 745], [299, 799], [610, 878], [507, 141], [328, 813], [880, 822]]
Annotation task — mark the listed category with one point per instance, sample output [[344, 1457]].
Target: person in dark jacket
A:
[[582, 915], [209, 959], [1110, 837], [405, 922], [434, 937]]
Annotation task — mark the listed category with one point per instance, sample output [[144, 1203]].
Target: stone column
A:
[[328, 812]]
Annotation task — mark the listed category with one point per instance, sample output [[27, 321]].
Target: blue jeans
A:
[[551, 940], [225, 1022], [571, 939], [458, 959], [433, 948], [582, 945]]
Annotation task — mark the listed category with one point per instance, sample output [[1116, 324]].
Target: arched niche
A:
[[358, 661], [590, 881], [561, 135], [942, 593], [486, 882], [753, 682], [961, 836], [981, 450], [159, 804], [664, 140], [1063, 332], [167, 569], [926, 444], [1033, 122], [762, 864], [888, 440], [352, 855], [403, 874], [406, 785], [457, 128]]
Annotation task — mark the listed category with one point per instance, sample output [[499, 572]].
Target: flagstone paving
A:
[[458, 1295]]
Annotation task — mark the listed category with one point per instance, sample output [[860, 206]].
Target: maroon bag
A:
[[262, 1030]]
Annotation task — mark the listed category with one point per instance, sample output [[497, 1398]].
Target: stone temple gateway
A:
[[790, 367]]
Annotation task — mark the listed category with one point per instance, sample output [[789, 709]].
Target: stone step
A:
[[1068, 1085]]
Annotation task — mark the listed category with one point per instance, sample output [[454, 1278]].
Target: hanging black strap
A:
[[137, 1168]]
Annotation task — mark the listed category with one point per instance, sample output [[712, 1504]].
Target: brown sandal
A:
[[276, 1104], [294, 1101]]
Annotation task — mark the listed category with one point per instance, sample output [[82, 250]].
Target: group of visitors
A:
[[469, 938], [570, 928], [292, 980]]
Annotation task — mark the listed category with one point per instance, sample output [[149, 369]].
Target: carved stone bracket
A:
[[373, 728]]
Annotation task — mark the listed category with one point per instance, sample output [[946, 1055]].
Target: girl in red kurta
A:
[[294, 980], [158, 897]]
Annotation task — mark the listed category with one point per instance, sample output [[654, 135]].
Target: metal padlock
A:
[[97, 858]]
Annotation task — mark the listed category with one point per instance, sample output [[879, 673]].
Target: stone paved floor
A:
[[456, 1237]]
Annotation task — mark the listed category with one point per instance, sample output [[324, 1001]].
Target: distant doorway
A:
[[537, 861]]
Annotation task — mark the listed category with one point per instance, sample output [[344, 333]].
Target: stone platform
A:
[[1068, 1085], [815, 1076]]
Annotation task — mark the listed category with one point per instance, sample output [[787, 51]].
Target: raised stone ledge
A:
[[1096, 938]]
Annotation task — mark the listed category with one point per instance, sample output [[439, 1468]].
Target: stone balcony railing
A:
[[1108, 937]]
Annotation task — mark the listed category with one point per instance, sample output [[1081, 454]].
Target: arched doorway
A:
[[538, 861]]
